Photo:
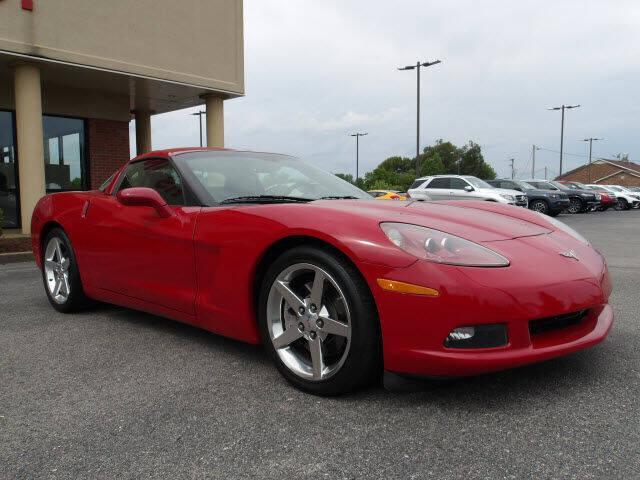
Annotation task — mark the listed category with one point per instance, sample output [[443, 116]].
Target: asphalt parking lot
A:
[[114, 393]]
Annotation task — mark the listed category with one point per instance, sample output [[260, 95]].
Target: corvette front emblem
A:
[[570, 254]]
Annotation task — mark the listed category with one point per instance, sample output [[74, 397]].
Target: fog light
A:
[[462, 333], [478, 336]]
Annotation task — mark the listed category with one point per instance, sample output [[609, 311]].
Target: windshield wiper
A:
[[266, 199], [338, 197]]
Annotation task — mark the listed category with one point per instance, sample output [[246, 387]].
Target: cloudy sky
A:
[[318, 70]]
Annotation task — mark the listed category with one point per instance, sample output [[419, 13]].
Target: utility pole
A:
[[533, 161], [513, 170], [358, 135], [563, 108], [417, 67], [200, 114], [545, 172], [591, 140]]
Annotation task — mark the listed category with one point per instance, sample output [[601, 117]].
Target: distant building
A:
[[605, 172], [73, 73]]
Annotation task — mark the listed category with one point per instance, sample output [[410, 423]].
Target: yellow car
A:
[[387, 195]]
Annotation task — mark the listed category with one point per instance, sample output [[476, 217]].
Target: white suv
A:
[[627, 198], [463, 187]]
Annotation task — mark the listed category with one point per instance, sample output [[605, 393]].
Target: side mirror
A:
[[144, 197], [468, 188]]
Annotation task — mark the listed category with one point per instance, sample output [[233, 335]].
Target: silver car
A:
[[463, 187]]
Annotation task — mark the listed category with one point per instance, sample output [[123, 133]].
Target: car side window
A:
[[458, 184], [507, 185], [439, 183], [157, 174], [416, 184]]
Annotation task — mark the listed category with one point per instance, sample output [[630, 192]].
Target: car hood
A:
[[508, 191], [476, 221], [542, 192]]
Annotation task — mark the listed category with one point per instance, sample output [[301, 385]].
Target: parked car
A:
[[580, 201], [386, 195], [549, 202], [624, 199], [463, 187], [338, 287], [608, 199], [629, 193]]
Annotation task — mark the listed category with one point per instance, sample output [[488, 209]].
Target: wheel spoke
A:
[[291, 298], [57, 287], [335, 327], [315, 347], [58, 250], [287, 337], [65, 264], [65, 285], [50, 264], [317, 289]]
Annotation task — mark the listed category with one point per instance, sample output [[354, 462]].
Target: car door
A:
[[439, 188], [458, 192], [136, 253]]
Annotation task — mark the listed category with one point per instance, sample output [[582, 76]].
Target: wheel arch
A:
[[42, 235]]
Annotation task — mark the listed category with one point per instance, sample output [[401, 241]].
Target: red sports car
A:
[[337, 286]]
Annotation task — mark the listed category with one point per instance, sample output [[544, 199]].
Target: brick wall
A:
[[600, 170], [108, 148]]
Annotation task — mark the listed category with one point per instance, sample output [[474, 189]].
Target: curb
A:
[[15, 257]]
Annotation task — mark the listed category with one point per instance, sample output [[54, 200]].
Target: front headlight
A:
[[564, 227], [440, 247], [553, 195], [507, 196]]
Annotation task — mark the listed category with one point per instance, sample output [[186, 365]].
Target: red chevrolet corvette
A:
[[337, 286]]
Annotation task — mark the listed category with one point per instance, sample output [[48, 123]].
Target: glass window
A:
[[476, 182], [226, 175], [158, 174], [64, 153], [458, 184], [416, 184], [8, 173], [440, 183]]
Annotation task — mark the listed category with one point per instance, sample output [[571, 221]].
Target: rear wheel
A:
[[575, 205], [318, 322], [539, 206], [60, 273]]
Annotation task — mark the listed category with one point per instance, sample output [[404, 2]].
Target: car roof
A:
[[445, 175]]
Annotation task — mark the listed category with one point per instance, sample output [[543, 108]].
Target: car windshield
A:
[[252, 177], [615, 189], [476, 182], [579, 185], [561, 186]]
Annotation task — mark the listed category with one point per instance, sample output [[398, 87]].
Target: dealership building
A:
[[74, 73]]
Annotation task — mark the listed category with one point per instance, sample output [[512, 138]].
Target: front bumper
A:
[[414, 327]]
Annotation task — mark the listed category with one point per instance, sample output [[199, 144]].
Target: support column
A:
[[28, 102], [143, 131], [215, 121]]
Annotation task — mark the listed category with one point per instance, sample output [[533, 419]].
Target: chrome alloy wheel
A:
[[309, 321], [56, 270]]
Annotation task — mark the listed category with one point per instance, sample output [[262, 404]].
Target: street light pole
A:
[[200, 114], [513, 169], [417, 67], [358, 135], [591, 140], [533, 160], [563, 108]]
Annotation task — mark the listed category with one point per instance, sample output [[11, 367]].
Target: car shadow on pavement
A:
[[579, 372]]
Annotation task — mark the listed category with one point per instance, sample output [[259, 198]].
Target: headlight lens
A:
[[440, 247], [507, 196], [565, 228], [553, 195]]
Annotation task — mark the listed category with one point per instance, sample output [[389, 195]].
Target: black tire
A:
[[76, 299], [575, 205], [362, 364], [621, 204], [540, 206]]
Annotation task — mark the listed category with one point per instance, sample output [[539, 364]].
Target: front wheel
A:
[[60, 273], [319, 323], [622, 204], [575, 206], [539, 206]]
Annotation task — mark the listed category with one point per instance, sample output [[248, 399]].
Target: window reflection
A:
[[8, 178], [64, 153]]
